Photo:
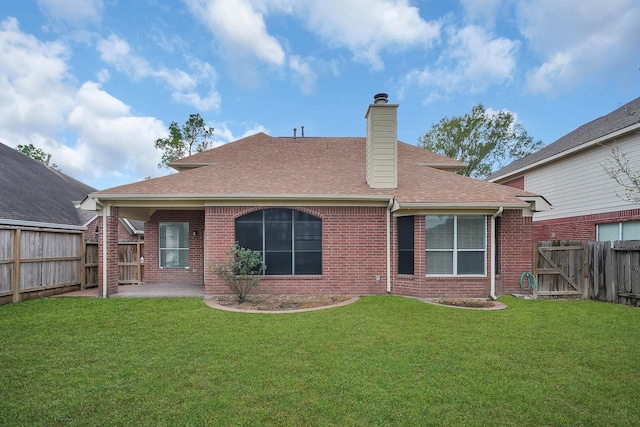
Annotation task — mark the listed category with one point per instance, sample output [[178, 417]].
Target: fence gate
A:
[[561, 269]]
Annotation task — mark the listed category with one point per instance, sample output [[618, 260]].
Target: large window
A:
[[174, 244], [290, 240], [619, 231], [405, 245], [456, 245]]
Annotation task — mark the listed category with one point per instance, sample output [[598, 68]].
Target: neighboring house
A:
[[331, 215], [35, 195], [130, 230], [570, 174]]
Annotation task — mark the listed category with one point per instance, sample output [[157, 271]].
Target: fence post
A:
[[585, 271], [16, 265]]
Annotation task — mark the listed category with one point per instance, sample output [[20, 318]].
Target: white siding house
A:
[[570, 174]]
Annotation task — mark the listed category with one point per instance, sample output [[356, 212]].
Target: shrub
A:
[[241, 271]]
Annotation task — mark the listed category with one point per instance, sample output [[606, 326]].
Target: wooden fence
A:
[[36, 263], [597, 270], [130, 267]]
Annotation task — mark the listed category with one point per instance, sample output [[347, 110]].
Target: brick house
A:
[[349, 215], [570, 174]]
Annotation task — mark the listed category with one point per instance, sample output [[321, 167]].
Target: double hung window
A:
[[174, 244], [456, 245]]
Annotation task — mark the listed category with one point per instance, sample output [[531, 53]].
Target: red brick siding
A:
[[580, 227], [153, 274], [112, 254], [353, 251], [516, 250], [419, 285], [354, 254], [125, 236], [515, 183], [90, 232], [516, 255]]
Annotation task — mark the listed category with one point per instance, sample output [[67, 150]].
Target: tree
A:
[[185, 141], [622, 170], [36, 154], [241, 272], [485, 142]]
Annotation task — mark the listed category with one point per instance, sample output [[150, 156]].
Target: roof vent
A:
[[380, 98]]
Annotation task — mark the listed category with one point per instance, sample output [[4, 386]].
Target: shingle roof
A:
[[31, 191], [621, 118], [267, 166]]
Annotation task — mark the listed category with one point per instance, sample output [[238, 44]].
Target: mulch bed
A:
[[266, 302], [465, 302]]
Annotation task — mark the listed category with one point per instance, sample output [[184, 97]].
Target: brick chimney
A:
[[382, 143]]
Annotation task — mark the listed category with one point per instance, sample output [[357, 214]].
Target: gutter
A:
[[18, 223], [231, 197], [493, 252]]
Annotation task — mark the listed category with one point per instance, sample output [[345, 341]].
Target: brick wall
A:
[[580, 227], [353, 257], [515, 255], [516, 251], [515, 183], [419, 285], [153, 274], [112, 254], [353, 251]]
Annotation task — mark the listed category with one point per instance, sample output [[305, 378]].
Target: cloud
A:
[[473, 60], [117, 53], [368, 27], [578, 40], [239, 28], [304, 73], [74, 12], [111, 141], [365, 28], [33, 82], [89, 133]]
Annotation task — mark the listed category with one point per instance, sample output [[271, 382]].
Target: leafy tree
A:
[[33, 152], [184, 141], [485, 142], [36, 154], [242, 270]]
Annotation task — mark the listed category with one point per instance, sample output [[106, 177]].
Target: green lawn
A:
[[380, 361]]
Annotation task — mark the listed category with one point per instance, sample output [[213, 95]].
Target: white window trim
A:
[[619, 224], [455, 249], [160, 249]]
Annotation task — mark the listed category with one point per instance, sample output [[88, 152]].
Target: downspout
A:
[[389, 245], [493, 252]]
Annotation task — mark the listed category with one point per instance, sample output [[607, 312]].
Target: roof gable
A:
[[33, 192], [261, 166], [599, 128]]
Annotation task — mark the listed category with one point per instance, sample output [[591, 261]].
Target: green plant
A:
[[241, 271]]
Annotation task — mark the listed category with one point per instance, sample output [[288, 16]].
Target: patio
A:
[[146, 291]]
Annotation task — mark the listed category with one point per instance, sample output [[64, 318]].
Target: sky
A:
[[96, 82]]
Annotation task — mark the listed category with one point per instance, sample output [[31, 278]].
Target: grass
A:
[[380, 361]]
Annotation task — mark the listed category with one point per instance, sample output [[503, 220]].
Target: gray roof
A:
[[621, 118], [33, 192]]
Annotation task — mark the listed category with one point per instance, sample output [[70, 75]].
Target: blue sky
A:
[[96, 82]]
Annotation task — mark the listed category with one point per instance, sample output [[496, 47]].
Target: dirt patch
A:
[[466, 302], [266, 302]]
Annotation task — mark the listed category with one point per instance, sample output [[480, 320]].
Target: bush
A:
[[242, 271]]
